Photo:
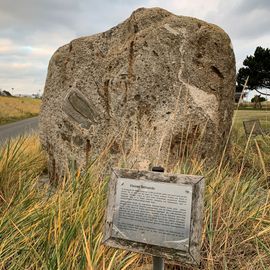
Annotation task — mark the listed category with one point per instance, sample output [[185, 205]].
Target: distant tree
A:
[[257, 69], [7, 94], [258, 98], [37, 95]]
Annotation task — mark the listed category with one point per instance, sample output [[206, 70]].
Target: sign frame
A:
[[252, 127], [192, 256]]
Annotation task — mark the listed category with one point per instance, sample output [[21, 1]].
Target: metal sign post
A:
[[158, 262]]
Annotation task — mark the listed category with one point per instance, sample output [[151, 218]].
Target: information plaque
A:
[[155, 213]]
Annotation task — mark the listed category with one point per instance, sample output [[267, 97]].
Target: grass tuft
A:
[[46, 228]]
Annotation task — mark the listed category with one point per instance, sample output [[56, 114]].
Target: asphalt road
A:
[[18, 128]]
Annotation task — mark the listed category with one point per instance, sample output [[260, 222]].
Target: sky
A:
[[32, 30]]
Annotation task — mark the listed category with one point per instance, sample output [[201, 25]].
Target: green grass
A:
[[258, 154], [46, 228], [242, 115], [251, 106]]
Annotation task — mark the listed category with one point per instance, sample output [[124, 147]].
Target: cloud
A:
[[31, 30], [247, 23], [243, 19], [198, 9], [38, 14], [250, 5]]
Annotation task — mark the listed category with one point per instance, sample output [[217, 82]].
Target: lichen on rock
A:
[[152, 88]]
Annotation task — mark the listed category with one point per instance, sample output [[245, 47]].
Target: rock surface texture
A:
[[152, 89]]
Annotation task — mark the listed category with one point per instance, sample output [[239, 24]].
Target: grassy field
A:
[[246, 115], [250, 105], [242, 115], [46, 228], [16, 108]]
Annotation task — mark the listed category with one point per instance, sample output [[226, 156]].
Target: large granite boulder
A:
[[152, 89]]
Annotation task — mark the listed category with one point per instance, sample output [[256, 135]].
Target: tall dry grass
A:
[[46, 228], [17, 108], [41, 228]]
